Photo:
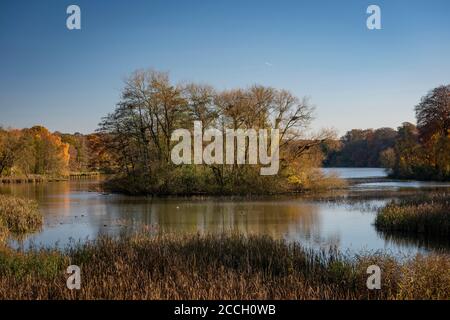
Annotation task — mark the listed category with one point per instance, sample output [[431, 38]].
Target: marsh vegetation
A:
[[216, 267], [425, 215], [18, 216]]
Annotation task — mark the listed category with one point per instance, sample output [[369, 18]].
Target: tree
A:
[[387, 158], [42, 153], [139, 131], [433, 114], [10, 147], [361, 148], [433, 121], [78, 151], [99, 157]]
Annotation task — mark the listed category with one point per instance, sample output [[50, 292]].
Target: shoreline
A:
[[43, 178]]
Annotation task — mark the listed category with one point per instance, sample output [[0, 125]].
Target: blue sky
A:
[[356, 78]]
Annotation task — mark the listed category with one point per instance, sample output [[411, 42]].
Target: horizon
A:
[[67, 80], [339, 136]]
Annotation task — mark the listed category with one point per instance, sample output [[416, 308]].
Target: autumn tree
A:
[[42, 153], [10, 148], [100, 158], [78, 151], [433, 123], [433, 114], [423, 152], [140, 129], [361, 148]]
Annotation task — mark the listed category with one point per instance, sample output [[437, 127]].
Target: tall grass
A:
[[19, 215], [215, 267], [428, 215]]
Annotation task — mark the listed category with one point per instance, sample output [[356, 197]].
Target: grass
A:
[[427, 215], [316, 181], [215, 267], [18, 216]]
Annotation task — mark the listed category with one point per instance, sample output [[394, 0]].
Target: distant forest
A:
[[360, 148], [37, 151], [419, 151]]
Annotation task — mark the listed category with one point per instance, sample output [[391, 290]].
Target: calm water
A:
[[74, 210], [351, 173]]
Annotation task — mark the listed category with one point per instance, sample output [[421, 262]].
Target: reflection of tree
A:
[[90, 213], [53, 198], [276, 219], [293, 220], [421, 241]]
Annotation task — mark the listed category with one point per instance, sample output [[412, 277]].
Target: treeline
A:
[[135, 141], [412, 152], [37, 151], [139, 135], [359, 148]]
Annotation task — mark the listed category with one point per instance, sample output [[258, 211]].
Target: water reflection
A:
[[438, 244], [353, 173], [397, 185], [77, 210]]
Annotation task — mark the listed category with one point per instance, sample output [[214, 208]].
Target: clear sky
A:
[[357, 78]]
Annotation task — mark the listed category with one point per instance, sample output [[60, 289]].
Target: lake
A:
[[353, 173], [75, 211]]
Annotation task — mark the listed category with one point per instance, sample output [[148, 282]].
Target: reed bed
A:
[[215, 267], [19, 215], [83, 175], [36, 178], [427, 215], [18, 180]]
